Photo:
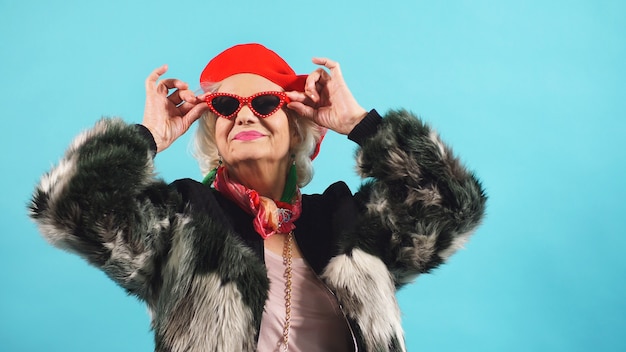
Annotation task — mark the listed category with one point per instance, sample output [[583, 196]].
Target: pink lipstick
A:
[[248, 135]]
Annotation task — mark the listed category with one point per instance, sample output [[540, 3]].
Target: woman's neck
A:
[[267, 178]]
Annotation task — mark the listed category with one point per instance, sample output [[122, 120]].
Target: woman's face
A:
[[247, 138]]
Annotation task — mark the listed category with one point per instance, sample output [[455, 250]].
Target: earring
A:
[[290, 185], [210, 177]]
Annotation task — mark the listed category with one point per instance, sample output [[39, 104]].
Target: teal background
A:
[[530, 94]]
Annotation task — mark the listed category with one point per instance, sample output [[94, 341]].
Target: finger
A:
[[202, 95], [310, 87], [184, 107], [171, 83], [301, 109], [194, 113], [184, 100], [175, 98], [332, 65], [154, 76], [187, 95], [312, 78], [180, 95], [296, 96], [174, 83], [164, 85]]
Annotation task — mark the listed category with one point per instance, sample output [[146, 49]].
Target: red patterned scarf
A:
[[270, 216]]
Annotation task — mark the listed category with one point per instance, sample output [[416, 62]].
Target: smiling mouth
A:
[[248, 135]]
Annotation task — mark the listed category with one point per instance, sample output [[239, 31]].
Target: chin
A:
[[253, 156]]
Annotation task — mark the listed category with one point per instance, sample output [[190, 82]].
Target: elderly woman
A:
[[244, 261]]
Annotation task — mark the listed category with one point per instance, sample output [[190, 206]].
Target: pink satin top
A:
[[317, 323]]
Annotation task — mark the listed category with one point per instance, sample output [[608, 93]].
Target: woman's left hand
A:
[[327, 100]]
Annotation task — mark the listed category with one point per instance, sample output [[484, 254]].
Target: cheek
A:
[[222, 129], [283, 129]]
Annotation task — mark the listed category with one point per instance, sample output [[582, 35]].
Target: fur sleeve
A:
[[103, 202], [420, 198]]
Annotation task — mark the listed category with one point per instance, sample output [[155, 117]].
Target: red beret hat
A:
[[252, 58]]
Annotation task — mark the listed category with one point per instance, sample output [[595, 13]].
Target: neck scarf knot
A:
[[270, 216]]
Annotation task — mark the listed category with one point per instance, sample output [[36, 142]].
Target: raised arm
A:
[[421, 204], [103, 202]]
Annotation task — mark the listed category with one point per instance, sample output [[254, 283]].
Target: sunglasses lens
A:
[[265, 104], [225, 105]]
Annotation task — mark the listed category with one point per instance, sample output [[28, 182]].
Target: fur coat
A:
[[193, 257]]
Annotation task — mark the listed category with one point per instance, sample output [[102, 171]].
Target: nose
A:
[[245, 116]]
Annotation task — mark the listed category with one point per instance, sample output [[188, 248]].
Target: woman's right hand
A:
[[327, 100], [169, 116]]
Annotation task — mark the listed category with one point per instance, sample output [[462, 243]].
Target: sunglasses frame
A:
[[283, 99]]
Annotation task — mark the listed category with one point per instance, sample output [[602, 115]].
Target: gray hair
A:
[[205, 146]]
